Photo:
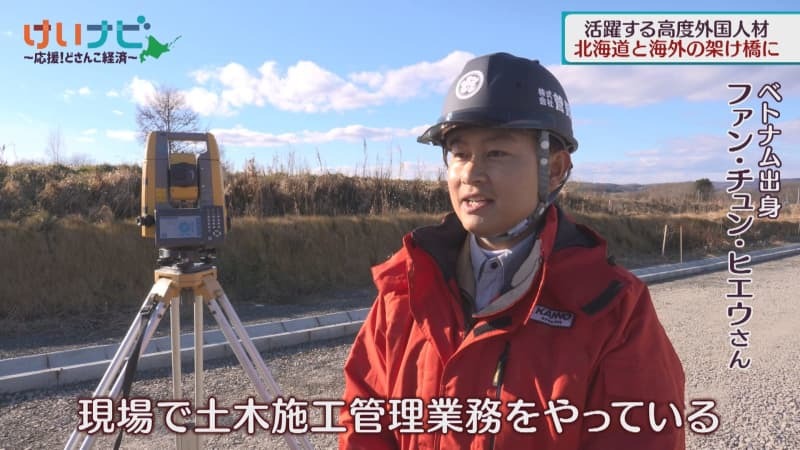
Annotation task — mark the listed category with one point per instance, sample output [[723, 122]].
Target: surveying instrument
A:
[[183, 210]]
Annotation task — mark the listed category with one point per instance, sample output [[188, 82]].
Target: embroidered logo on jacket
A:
[[552, 317]]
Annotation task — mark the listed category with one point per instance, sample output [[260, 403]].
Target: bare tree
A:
[[703, 188], [55, 146], [166, 111]]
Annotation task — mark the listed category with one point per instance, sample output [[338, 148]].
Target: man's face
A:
[[492, 178]]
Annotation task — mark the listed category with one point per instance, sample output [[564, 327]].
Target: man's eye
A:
[[496, 153], [458, 155]]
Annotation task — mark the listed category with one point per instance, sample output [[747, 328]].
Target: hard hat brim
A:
[[435, 134]]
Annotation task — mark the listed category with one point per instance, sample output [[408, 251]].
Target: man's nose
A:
[[473, 171]]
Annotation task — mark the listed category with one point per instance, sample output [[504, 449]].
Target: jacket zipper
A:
[[497, 382], [466, 308], [468, 324]]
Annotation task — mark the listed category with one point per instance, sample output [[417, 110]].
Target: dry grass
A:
[[100, 193], [67, 266], [63, 267], [70, 246], [274, 259], [262, 195]]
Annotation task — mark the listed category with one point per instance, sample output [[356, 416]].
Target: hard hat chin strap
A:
[[546, 198]]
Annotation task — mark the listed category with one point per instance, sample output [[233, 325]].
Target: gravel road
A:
[[757, 407]]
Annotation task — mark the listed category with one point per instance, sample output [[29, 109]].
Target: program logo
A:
[[103, 43]]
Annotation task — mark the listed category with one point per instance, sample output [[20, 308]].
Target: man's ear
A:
[[560, 163]]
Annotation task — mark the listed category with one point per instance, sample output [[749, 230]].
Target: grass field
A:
[[70, 244]]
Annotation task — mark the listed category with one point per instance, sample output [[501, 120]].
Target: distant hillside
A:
[[788, 186], [581, 187], [104, 193]]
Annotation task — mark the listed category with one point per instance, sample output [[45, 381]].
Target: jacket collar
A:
[[437, 305], [448, 245], [445, 240], [442, 242]]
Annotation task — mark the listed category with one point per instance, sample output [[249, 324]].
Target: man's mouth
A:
[[475, 203]]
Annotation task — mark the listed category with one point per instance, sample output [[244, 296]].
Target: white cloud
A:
[[371, 79], [69, 93], [241, 86], [646, 84], [199, 99], [353, 133], [201, 76], [87, 136], [140, 91], [687, 159], [117, 112], [112, 93], [308, 87], [202, 101], [243, 137], [121, 135], [418, 130]]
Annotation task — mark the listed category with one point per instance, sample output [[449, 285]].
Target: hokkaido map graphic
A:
[[155, 49], [55, 42]]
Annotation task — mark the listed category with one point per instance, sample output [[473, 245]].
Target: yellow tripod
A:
[[197, 283]]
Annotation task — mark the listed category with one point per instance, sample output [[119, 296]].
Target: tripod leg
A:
[[125, 348], [236, 347], [188, 440], [199, 390], [251, 349], [152, 325], [175, 347], [199, 378], [240, 343], [111, 384]]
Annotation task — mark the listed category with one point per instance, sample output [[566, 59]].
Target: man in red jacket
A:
[[506, 327]]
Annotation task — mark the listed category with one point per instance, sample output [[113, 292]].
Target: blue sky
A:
[[301, 78]]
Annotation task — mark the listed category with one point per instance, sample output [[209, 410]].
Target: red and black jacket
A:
[[579, 329]]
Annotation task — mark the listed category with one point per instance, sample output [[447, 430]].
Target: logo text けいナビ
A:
[[132, 40]]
